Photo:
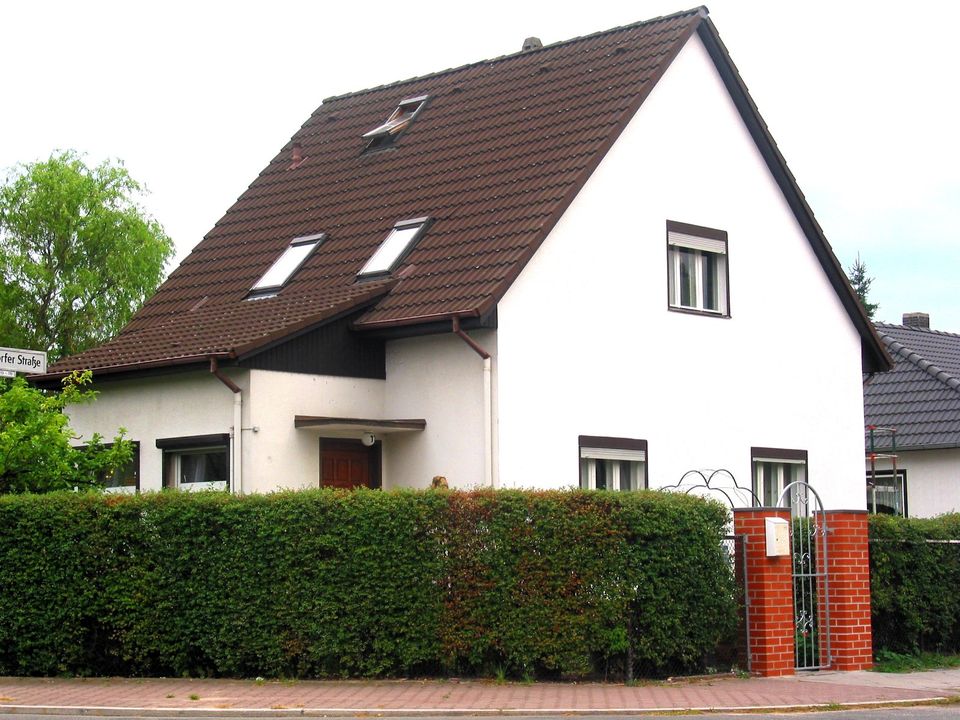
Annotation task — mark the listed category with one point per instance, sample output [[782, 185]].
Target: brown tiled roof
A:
[[222, 329], [494, 158]]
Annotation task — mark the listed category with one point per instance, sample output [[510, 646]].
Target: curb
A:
[[206, 712]]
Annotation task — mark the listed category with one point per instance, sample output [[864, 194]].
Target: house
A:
[[916, 410], [583, 263]]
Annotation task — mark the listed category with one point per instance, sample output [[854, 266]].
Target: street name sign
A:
[[14, 360]]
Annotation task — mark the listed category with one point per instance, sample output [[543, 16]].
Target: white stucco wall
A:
[[165, 406], [281, 456], [588, 346], [440, 379], [933, 481]]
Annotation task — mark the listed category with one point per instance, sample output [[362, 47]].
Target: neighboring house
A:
[[581, 263], [920, 401]]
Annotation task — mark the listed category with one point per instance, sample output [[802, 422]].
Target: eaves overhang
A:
[[53, 380]]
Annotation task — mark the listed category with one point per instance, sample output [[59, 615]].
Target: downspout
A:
[[236, 464], [489, 476]]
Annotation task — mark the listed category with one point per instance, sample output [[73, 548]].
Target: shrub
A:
[[337, 584], [916, 607]]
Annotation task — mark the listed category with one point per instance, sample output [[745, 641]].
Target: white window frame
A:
[[285, 267], [398, 243], [175, 459], [399, 119], [887, 479], [701, 246], [781, 461], [613, 455], [174, 449]]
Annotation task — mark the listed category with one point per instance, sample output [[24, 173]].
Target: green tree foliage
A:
[[857, 273], [78, 256], [326, 583], [37, 452]]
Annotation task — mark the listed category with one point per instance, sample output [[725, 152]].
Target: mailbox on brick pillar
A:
[[777, 534], [769, 588]]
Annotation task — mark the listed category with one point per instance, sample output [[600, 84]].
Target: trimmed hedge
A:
[[914, 584], [338, 584]]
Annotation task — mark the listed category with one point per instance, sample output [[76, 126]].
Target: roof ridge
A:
[[929, 331], [700, 10], [912, 356]]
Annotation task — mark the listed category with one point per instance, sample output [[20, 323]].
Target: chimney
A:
[[531, 43], [917, 320], [296, 155]]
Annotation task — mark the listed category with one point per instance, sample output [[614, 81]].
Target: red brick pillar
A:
[[769, 595], [848, 575]]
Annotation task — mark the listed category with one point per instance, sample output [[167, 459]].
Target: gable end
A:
[[331, 349], [873, 354]]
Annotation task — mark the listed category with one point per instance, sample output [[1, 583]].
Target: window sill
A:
[[121, 490], [198, 486], [695, 311]]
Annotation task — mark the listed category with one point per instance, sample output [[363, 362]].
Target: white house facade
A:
[[605, 306], [589, 344]]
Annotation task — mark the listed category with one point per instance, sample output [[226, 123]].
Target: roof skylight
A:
[[406, 111], [396, 245], [286, 265]]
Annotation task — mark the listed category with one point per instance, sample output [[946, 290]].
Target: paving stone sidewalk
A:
[[415, 697]]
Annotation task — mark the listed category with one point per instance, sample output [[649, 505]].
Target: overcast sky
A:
[[196, 98]]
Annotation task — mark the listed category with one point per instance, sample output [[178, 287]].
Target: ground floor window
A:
[[125, 479], [773, 470], [887, 492], [198, 462], [608, 463]]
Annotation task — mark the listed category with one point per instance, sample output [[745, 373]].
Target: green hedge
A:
[[338, 584], [915, 585]]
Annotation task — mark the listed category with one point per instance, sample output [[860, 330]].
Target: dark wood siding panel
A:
[[332, 349]]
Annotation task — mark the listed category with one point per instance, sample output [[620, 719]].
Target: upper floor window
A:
[[385, 134], [697, 276], [392, 250], [612, 463], [283, 268]]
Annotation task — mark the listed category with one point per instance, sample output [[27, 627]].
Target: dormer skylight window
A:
[[399, 120], [285, 266], [394, 248]]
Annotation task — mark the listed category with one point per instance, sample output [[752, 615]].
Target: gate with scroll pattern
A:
[[811, 590]]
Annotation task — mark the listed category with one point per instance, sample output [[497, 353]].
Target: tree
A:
[[857, 273], [78, 255], [36, 443]]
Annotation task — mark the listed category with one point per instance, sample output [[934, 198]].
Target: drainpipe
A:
[[489, 474], [236, 463]]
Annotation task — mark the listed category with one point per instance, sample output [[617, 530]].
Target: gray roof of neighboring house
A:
[[920, 397]]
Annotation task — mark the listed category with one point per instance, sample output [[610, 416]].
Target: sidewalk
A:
[[154, 697]]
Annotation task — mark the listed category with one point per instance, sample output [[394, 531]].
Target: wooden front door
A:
[[349, 464]]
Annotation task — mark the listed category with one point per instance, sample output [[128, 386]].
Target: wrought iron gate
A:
[[808, 547]]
